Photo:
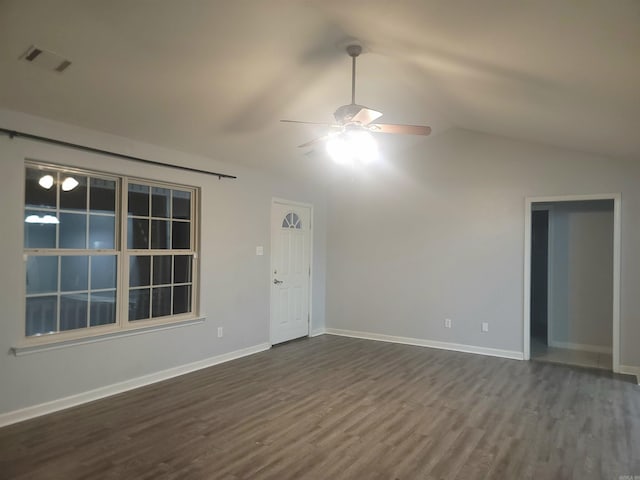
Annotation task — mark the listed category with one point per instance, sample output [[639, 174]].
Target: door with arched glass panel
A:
[[290, 271]]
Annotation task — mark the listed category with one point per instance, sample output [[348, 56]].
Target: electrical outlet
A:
[[447, 323], [485, 326], [220, 332]]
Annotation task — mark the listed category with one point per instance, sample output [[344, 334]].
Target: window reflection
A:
[[73, 230], [40, 234], [73, 311], [73, 194], [42, 274], [103, 308], [39, 191], [139, 303], [41, 315]]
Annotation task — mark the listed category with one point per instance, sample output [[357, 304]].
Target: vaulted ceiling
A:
[[214, 77]]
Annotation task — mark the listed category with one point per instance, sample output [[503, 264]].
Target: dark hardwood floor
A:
[[341, 408]]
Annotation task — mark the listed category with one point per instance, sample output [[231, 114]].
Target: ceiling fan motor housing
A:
[[345, 113], [354, 50]]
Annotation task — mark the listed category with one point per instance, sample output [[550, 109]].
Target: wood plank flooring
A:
[[340, 408]]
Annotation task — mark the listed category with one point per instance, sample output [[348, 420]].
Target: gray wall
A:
[[234, 281], [439, 233], [435, 233], [582, 274]]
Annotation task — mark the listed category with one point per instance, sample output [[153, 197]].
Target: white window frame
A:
[[193, 251], [122, 254]]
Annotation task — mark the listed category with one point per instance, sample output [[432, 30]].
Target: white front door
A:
[[290, 271]]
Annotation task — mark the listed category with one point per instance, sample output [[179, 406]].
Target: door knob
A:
[[277, 282]]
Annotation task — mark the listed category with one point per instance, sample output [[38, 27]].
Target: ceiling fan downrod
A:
[[353, 51]]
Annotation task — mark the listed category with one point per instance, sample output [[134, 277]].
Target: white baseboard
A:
[[102, 392], [580, 346], [493, 352], [628, 370], [317, 331]]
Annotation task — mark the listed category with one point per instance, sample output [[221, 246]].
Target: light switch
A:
[[259, 250]]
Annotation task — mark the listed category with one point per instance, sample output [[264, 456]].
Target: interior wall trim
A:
[[421, 342], [629, 370], [26, 413]]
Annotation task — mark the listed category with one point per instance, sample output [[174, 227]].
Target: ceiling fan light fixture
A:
[[355, 146], [354, 124], [364, 146], [339, 149]]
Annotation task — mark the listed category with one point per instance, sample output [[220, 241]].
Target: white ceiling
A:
[[214, 77]]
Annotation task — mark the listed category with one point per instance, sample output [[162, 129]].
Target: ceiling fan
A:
[[355, 119]]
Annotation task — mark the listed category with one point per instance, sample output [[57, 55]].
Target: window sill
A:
[[20, 350]]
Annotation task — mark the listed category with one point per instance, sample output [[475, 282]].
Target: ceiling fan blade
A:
[[405, 129], [314, 141], [324, 124], [365, 116]]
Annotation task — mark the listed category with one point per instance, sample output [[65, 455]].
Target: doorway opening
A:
[[572, 268], [540, 270]]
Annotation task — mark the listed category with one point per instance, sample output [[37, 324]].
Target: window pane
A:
[[159, 234], [40, 188], [102, 232], [103, 308], [138, 200], [66, 210], [41, 315], [40, 229], [73, 192], [139, 271], [160, 202], [73, 311], [73, 230], [102, 196], [42, 274], [139, 304], [182, 269], [181, 235], [74, 273], [103, 271], [162, 270], [138, 233], [161, 304], [181, 299], [181, 204]]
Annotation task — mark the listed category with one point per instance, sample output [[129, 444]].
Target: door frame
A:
[[617, 221], [293, 203]]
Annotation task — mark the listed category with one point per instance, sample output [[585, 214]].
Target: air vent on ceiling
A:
[[46, 59]]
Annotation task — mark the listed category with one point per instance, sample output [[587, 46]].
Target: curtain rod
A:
[[14, 133]]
